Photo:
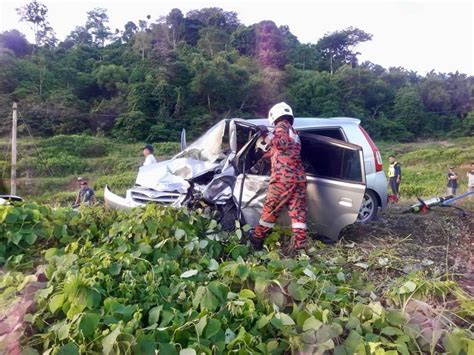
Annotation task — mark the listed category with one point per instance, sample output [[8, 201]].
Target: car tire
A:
[[370, 206]]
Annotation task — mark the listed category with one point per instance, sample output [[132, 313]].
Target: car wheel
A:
[[369, 208]]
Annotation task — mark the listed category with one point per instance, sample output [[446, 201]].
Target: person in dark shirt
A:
[[85, 195], [452, 181]]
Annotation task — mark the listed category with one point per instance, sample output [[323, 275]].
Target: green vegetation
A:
[[149, 80], [169, 280], [425, 165], [48, 168]]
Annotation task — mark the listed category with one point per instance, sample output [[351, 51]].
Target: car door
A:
[[335, 182]]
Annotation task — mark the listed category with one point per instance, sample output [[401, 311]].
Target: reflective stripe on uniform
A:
[[298, 225], [266, 224]]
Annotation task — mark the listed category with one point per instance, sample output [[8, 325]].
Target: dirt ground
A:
[[440, 240]]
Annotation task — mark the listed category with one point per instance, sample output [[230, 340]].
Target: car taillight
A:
[[375, 150]]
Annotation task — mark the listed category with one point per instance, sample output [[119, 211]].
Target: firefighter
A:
[[287, 187]]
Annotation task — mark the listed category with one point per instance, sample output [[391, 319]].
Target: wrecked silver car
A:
[[224, 169]]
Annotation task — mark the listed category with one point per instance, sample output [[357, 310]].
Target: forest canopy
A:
[[148, 80]]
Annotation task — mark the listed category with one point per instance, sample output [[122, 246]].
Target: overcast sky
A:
[[418, 35]]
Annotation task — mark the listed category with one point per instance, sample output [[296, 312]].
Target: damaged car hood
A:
[[171, 175]]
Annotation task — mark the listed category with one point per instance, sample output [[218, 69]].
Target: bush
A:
[[167, 280], [118, 183], [166, 148], [422, 183], [62, 198], [132, 126], [60, 165], [75, 145], [114, 165]]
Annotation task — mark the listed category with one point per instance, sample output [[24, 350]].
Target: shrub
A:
[[114, 165], [60, 165], [117, 182], [166, 148], [132, 126], [75, 145], [168, 280]]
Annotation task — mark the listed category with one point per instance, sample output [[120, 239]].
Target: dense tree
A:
[[215, 17], [142, 43], [408, 110], [435, 96], [111, 78], [244, 40], [36, 14], [176, 24], [133, 125], [459, 88], [15, 41], [156, 77], [97, 26], [129, 31], [212, 40], [337, 48], [79, 36], [8, 66], [270, 45], [314, 94]]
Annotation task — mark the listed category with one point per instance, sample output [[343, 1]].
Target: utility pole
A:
[[13, 172]]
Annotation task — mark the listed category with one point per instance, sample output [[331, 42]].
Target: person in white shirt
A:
[[148, 153], [470, 179]]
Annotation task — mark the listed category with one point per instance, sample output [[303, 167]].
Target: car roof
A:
[[307, 122]]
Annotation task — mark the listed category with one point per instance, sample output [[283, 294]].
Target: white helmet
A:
[[279, 110]]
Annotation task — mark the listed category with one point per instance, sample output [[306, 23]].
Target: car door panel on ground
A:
[[335, 189]]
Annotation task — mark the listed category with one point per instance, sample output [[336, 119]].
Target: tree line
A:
[[150, 79]]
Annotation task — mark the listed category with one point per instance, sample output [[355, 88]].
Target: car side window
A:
[[335, 133], [332, 161]]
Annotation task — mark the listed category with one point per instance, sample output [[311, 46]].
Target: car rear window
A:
[[330, 160]]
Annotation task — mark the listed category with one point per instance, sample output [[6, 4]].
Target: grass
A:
[[48, 168], [425, 164]]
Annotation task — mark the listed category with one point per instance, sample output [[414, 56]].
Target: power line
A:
[[34, 144]]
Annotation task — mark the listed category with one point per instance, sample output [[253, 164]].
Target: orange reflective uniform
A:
[[287, 186]]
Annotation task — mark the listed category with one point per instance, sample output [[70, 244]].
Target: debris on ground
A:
[[440, 241]]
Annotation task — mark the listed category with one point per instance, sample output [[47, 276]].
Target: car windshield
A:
[[210, 147]]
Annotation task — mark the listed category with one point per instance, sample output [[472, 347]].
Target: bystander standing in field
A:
[[470, 179], [85, 195], [148, 153], [394, 176], [452, 181]]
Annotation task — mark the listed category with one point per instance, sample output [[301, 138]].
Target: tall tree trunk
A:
[[41, 78]]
